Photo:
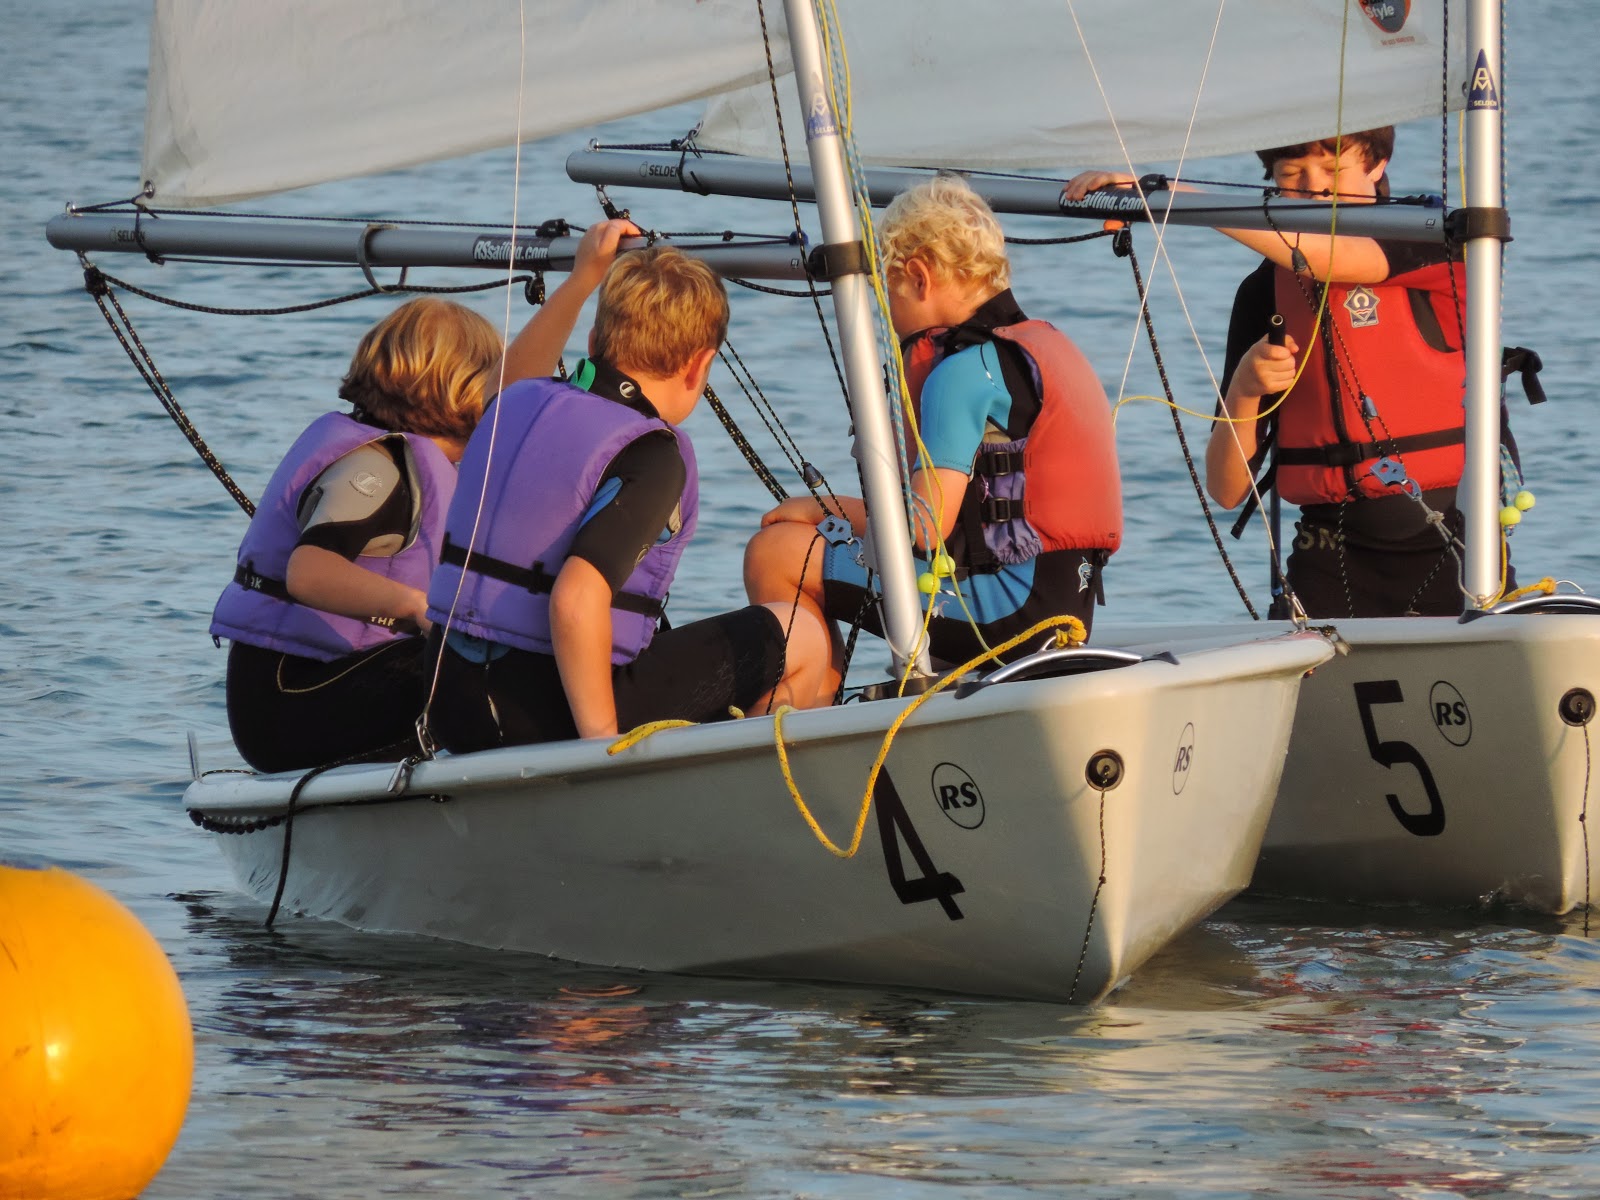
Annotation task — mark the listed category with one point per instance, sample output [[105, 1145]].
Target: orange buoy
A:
[[96, 1053]]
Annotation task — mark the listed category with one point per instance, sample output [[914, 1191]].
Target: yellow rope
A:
[[1547, 585], [638, 734], [1069, 632]]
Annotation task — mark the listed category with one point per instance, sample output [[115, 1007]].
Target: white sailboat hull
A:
[[1462, 725], [686, 852]]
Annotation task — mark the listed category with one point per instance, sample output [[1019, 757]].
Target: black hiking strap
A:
[[1264, 484], [539, 581]]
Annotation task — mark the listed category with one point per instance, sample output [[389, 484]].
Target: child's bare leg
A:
[[783, 570], [810, 671]]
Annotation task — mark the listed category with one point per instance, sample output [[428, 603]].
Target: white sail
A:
[[1018, 85], [246, 100], [250, 99]]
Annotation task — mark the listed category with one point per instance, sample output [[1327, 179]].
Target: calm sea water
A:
[[1278, 1050]]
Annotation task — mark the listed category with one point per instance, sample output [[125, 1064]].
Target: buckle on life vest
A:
[[994, 463], [998, 509]]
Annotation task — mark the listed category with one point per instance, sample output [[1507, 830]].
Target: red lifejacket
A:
[[1395, 344], [1055, 488]]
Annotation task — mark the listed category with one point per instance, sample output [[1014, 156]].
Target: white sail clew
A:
[[240, 96]]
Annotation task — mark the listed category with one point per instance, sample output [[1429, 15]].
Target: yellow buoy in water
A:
[[96, 1053]]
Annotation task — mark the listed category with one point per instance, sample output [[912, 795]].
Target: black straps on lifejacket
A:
[[1348, 454], [278, 590], [539, 581], [266, 585], [1341, 454]]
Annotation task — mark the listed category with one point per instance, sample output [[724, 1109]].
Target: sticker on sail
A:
[[1183, 760], [819, 116], [1388, 15], [1451, 717], [958, 796], [1483, 94], [1362, 305]]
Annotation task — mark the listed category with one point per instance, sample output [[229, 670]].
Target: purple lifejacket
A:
[[552, 444], [257, 610]]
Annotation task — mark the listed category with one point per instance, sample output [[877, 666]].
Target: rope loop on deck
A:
[[1069, 631]]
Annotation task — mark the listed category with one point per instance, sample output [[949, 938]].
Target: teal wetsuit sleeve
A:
[[962, 394]]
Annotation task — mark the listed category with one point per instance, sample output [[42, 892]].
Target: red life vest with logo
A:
[[1386, 380], [1055, 488]]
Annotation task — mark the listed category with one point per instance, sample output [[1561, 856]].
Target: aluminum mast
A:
[[889, 534], [1486, 225]]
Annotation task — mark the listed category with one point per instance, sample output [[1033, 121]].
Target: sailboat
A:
[[1036, 830], [1438, 761]]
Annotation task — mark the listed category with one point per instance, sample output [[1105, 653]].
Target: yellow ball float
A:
[[96, 1053], [1523, 500], [1510, 515]]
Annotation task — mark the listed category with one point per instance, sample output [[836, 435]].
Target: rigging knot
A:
[[94, 280]]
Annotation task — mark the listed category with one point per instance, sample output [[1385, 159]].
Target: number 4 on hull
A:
[[894, 826]]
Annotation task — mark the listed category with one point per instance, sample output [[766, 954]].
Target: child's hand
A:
[[1081, 184], [598, 250], [1266, 369]]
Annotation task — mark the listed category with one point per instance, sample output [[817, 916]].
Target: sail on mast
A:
[[252, 99], [240, 96]]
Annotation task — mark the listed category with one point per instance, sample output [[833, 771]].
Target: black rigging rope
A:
[[99, 287], [1123, 246], [794, 203]]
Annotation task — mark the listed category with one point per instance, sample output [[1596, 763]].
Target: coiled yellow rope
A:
[[1069, 632]]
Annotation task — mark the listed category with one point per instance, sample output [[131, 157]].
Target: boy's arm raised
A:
[[534, 353], [1339, 258]]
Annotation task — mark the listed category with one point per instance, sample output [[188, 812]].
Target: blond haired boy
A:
[[576, 503], [1015, 492]]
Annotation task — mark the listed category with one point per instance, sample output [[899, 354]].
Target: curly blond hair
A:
[[658, 308], [949, 227], [425, 368]]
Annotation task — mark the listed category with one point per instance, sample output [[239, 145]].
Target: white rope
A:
[[1127, 158], [505, 340]]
